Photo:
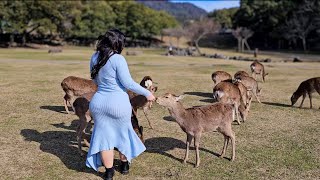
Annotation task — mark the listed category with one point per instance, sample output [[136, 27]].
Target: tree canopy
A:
[[81, 19]]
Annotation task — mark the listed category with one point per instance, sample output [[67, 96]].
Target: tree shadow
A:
[[201, 94], [160, 145], [60, 144], [59, 109], [276, 104]]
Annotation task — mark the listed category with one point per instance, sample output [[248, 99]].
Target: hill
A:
[[181, 11]]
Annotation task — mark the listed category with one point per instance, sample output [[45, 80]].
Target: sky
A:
[[213, 4]]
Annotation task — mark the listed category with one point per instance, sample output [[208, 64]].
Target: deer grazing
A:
[[226, 92], [81, 107], [258, 68], [197, 120], [308, 86], [75, 87], [219, 76], [251, 85], [239, 74]]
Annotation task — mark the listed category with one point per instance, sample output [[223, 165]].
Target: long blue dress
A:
[[111, 110]]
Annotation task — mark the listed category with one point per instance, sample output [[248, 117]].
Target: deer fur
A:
[[251, 84], [245, 94], [308, 86], [258, 68], [81, 107], [140, 101], [197, 120], [219, 76], [227, 92], [146, 82], [75, 87], [240, 73]]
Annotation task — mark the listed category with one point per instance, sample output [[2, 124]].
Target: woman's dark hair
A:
[[112, 42]]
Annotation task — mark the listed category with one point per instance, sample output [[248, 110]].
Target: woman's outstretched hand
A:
[[151, 98]]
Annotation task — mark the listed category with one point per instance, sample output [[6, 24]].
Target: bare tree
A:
[[242, 34], [198, 29], [174, 32]]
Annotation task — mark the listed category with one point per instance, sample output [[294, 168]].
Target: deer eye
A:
[[167, 97]]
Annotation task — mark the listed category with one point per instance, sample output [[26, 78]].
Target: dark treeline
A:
[[277, 24], [78, 21]]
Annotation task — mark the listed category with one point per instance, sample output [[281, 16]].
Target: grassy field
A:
[[38, 139]]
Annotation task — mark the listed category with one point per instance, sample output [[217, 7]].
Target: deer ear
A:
[[180, 97]]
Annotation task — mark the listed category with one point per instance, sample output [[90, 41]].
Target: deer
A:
[[258, 68], [251, 84], [198, 120], [240, 73], [75, 87], [140, 101], [219, 76], [81, 107], [308, 86], [227, 92]]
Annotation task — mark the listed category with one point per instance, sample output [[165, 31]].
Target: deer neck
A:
[[178, 112]]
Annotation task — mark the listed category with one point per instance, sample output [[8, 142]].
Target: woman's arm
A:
[[126, 79], [93, 61]]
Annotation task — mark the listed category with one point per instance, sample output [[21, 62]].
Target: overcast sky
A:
[[213, 4]]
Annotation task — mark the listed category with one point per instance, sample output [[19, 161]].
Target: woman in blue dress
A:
[[110, 106]]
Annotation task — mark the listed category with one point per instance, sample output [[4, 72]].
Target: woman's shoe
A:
[[108, 175], [124, 167]]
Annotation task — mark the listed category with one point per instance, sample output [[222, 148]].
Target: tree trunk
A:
[[11, 40], [242, 45], [239, 44], [24, 39], [246, 43], [304, 43], [178, 42], [197, 47]]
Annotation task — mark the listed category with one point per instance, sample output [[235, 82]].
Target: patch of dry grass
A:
[[39, 140]]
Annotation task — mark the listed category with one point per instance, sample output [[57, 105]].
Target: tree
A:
[[242, 35], [198, 29], [223, 16]]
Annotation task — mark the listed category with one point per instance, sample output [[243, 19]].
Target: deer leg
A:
[[188, 142], [226, 141], [236, 106], [88, 118], [65, 103], [255, 95], [196, 144], [81, 130], [310, 98], [230, 135], [303, 97], [145, 109]]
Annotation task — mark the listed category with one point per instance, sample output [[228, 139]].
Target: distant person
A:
[[170, 52], [111, 108]]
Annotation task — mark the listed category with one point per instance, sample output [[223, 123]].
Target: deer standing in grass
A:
[[197, 120], [226, 92], [258, 68], [75, 87], [240, 73], [308, 86], [251, 84], [219, 76]]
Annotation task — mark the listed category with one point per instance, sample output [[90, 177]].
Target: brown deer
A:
[[226, 92], [75, 87], [306, 87], [219, 76], [197, 120], [140, 101], [258, 68], [240, 73], [81, 107], [245, 94], [251, 85]]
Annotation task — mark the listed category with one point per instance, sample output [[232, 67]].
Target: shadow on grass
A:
[[276, 104], [160, 145], [59, 143], [59, 109], [201, 94]]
